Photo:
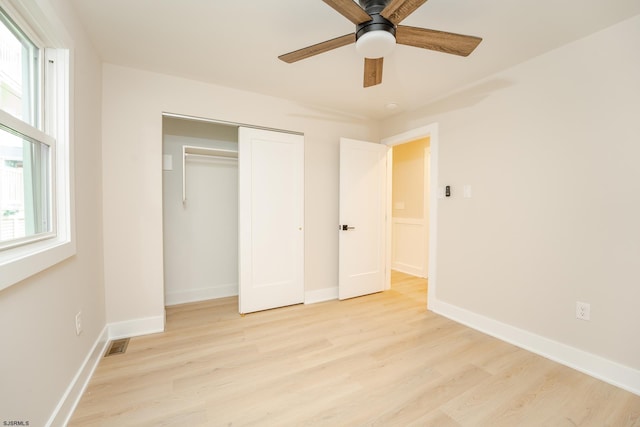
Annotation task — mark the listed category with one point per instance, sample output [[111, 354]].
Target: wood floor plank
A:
[[381, 359]]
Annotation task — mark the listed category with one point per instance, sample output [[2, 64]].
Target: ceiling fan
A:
[[377, 32]]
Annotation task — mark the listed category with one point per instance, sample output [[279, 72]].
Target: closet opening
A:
[[200, 210]]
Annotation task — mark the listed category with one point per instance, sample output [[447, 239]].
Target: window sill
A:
[[22, 262]]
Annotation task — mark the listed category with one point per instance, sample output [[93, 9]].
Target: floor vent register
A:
[[117, 347]]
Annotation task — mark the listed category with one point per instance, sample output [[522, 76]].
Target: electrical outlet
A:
[[78, 323], [583, 310]]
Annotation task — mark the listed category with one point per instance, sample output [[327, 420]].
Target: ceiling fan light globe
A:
[[375, 44]]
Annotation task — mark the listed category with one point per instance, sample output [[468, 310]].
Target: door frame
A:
[[430, 131]]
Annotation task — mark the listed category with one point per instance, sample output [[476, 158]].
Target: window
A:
[[35, 172], [25, 173], [25, 191], [19, 76]]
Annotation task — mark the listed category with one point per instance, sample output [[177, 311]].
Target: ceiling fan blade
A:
[[440, 41], [372, 71], [350, 10], [397, 10], [316, 49]]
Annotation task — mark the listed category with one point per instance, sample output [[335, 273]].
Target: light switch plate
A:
[[167, 162]]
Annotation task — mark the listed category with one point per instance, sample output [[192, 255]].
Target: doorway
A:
[[429, 132], [410, 208]]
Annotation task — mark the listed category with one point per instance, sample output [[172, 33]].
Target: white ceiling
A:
[[236, 44]]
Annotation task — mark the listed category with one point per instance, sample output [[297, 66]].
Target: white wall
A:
[[551, 150], [200, 236], [133, 102], [40, 352]]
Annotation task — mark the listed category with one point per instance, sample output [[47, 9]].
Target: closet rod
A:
[[202, 152], [208, 156]]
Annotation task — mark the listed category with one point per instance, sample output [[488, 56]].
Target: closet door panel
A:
[[271, 236]]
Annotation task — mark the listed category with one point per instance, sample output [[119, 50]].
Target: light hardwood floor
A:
[[378, 360]]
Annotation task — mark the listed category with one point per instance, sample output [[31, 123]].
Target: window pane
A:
[[19, 59], [25, 201]]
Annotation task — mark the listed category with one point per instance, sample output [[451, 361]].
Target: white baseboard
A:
[[407, 269], [321, 295], [596, 366], [202, 294], [136, 327], [70, 399]]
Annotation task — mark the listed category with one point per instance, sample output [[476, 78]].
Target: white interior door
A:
[[271, 236], [363, 212]]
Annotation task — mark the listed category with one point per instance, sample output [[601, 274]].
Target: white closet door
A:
[[271, 213]]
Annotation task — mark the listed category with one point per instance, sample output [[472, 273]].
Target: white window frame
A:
[[20, 262], [19, 128]]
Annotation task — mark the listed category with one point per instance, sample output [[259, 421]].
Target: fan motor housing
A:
[[373, 6], [378, 22]]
